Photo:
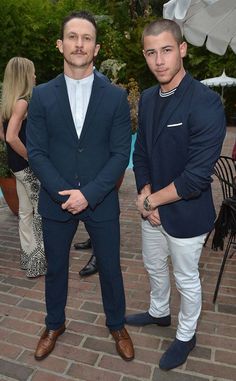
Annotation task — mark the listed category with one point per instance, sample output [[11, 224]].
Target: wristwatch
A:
[[147, 205]]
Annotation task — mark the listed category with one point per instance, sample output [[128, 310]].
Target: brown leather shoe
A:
[[124, 345], [47, 342]]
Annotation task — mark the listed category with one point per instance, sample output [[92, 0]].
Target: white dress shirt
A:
[[79, 92]]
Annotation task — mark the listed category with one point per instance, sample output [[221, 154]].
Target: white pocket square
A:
[[175, 124]]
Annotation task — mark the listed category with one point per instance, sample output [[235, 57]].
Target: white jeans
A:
[[157, 245]]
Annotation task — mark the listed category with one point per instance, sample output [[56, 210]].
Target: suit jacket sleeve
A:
[[207, 131], [38, 150]]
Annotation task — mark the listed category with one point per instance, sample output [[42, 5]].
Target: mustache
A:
[[78, 51]]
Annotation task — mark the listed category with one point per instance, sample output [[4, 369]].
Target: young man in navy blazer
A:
[[181, 131], [78, 139]]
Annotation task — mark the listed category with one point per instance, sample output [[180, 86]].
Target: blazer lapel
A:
[[95, 98], [172, 105], [64, 104], [150, 120]]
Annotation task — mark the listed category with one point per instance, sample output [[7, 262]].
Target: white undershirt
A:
[[79, 92]]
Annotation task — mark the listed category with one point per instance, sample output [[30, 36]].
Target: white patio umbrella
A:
[[223, 80], [210, 21]]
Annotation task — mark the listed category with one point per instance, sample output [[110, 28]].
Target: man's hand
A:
[[154, 218], [76, 202], [140, 204], [146, 191]]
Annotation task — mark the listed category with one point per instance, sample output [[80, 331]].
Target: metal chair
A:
[[225, 225], [225, 172]]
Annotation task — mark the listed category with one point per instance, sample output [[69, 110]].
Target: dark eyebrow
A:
[[167, 46], [163, 47], [149, 50], [75, 33]]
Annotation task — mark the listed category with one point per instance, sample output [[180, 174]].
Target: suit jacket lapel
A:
[[95, 98], [172, 105], [64, 104], [150, 119]]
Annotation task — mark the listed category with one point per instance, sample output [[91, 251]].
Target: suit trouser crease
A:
[[105, 238], [157, 247], [30, 222]]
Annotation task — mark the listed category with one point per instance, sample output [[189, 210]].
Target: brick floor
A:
[[86, 350]]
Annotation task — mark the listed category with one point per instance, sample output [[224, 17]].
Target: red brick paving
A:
[[86, 351]]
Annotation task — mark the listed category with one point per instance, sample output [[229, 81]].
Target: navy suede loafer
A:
[[145, 318], [177, 353]]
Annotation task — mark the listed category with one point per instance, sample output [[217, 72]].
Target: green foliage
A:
[[133, 56], [30, 28], [27, 32], [133, 98], [111, 41]]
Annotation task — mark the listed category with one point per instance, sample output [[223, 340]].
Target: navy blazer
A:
[[182, 148], [92, 163]]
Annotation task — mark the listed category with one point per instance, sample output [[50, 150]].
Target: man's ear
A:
[[59, 45], [97, 48], [183, 49]]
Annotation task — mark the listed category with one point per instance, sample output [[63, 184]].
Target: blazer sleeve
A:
[[38, 150], [207, 129]]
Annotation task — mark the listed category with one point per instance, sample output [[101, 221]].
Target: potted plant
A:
[[8, 181]]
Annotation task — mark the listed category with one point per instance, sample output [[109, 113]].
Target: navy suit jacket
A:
[[92, 163], [182, 148]]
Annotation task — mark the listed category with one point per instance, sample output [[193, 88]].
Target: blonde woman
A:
[[18, 82]]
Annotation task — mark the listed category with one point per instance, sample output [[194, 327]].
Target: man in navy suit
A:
[[78, 139], [181, 131]]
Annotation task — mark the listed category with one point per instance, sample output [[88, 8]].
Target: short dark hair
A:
[[163, 25], [77, 15]]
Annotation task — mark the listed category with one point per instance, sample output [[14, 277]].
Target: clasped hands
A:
[[153, 215], [76, 202]]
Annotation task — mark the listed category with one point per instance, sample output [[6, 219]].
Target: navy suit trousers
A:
[[105, 238]]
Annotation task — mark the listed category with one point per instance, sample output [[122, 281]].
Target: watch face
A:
[[146, 204]]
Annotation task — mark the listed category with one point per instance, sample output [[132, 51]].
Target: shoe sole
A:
[[163, 325], [146, 324], [84, 275]]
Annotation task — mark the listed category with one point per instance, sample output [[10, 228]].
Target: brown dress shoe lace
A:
[[124, 345], [47, 342]]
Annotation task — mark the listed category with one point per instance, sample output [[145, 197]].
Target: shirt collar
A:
[[84, 81]]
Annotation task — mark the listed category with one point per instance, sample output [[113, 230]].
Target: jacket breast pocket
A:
[[174, 125]]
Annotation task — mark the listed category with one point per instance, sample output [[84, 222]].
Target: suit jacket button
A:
[[81, 150]]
